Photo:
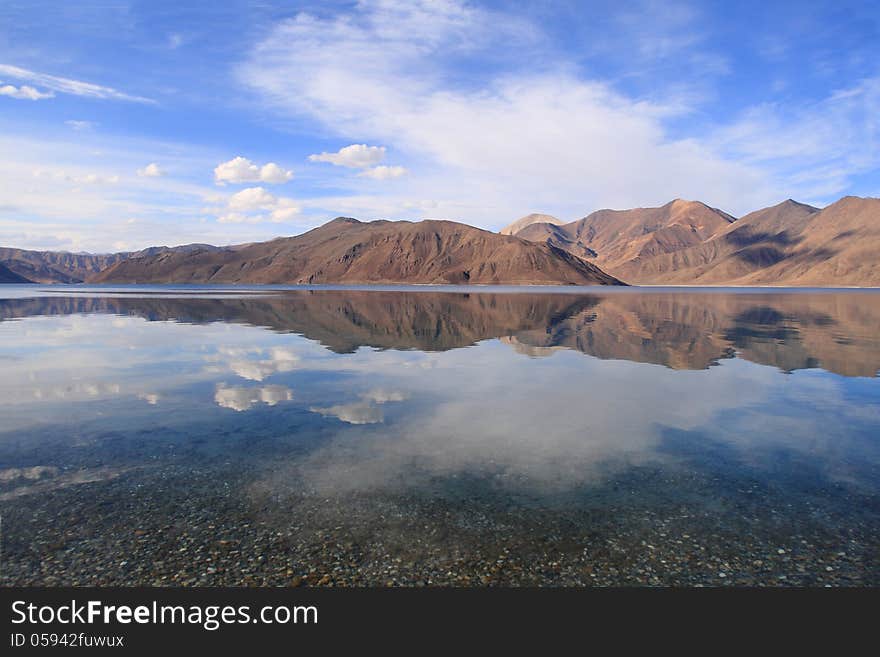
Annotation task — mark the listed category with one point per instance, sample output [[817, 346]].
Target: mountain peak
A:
[[349, 251], [528, 220], [791, 203]]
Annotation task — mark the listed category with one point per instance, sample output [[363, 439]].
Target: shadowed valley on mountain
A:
[[690, 243]]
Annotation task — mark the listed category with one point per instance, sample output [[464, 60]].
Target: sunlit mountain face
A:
[[410, 435]]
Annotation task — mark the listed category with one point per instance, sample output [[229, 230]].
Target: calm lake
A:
[[433, 436]]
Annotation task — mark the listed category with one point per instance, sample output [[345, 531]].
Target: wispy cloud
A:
[[80, 125], [535, 138], [68, 85], [535, 135], [354, 157], [818, 146], [383, 172]]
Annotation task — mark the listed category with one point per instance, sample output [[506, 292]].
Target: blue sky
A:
[[126, 124]]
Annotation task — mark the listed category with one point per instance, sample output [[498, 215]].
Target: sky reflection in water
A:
[[547, 391], [539, 398]]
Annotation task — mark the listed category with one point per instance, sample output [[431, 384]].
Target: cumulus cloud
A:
[[285, 210], [355, 413], [256, 205], [382, 396], [366, 411], [383, 172], [152, 170], [252, 198], [243, 399], [242, 170], [24, 92], [258, 364], [69, 86], [356, 156]]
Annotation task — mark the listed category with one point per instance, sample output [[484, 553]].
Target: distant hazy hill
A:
[[56, 266], [349, 251], [64, 267], [528, 220], [689, 243]]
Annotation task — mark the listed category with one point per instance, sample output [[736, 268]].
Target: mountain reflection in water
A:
[[833, 331], [437, 434]]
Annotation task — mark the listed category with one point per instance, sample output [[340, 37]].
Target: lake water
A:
[[207, 436]]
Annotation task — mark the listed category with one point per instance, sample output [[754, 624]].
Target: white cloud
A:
[[77, 178], [277, 359], [272, 173], [152, 170], [382, 396], [366, 411], [383, 172], [238, 218], [286, 210], [151, 398], [24, 92], [356, 156], [67, 190], [533, 136], [252, 198], [80, 126], [242, 170], [69, 86], [817, 145], [354, 413], [255, 205], [243, 399]]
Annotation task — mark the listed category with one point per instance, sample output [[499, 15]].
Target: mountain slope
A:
[[349, 251], [787, 244], [528, 220], [618, 236], [689, 243], [9, 276], [837, 246], [557, 236], [56, 266], [63, 267], [748, 245]]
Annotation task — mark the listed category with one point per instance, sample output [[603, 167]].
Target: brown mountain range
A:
[[62, 267], [56, 266], [680, 243], [349, 251], [689, 243]]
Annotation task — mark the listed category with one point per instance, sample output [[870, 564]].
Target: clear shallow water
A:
[[234, 436]]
